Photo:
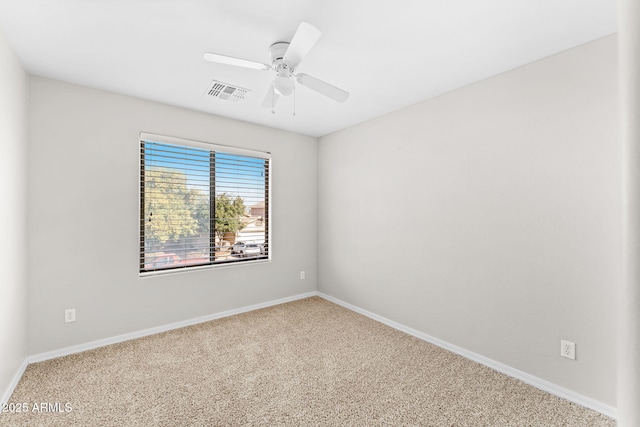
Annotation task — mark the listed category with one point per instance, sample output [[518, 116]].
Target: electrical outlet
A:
[[568, 349], [302, 275], [70, 315]]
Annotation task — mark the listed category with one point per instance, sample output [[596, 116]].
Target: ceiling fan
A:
[[285, 58]]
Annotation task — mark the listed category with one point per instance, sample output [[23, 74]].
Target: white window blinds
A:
[[201, 204]]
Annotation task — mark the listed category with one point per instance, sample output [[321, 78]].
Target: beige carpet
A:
[[308, 362]]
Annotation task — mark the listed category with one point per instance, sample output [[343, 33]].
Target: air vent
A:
[[226, 92]]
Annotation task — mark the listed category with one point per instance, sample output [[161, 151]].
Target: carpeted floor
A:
[[308, 362]]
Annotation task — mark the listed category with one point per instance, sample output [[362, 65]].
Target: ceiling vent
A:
[[226, 92]]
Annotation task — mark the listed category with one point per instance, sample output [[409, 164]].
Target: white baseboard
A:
[[156, 330], [497, 366], [14, 382]]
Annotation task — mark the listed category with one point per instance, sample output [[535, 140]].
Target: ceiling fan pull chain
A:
[[294, 97], [273, 101]]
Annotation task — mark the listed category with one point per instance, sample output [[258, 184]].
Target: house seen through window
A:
[[201, 204]]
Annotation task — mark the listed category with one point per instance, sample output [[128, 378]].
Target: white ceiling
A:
[[387, 54]]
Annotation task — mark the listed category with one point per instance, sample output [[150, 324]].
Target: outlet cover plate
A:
[[568, 349]]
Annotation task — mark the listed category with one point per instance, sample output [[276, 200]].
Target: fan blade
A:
[[271, 98], [230, 60], [324, 88], [303, 40]]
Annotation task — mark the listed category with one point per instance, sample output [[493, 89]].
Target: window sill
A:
[[146, 274]]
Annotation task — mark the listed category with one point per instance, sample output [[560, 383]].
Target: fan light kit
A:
[[285, 58]]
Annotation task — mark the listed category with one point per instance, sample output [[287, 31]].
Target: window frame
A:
[[212, 148]]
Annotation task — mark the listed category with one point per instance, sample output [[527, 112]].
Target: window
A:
[[201, 204]]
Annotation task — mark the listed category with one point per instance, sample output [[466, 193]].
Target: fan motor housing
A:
[[277, 51]]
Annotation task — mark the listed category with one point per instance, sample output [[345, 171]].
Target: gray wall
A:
[[13, 225], [83, 217], [488, 217]]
